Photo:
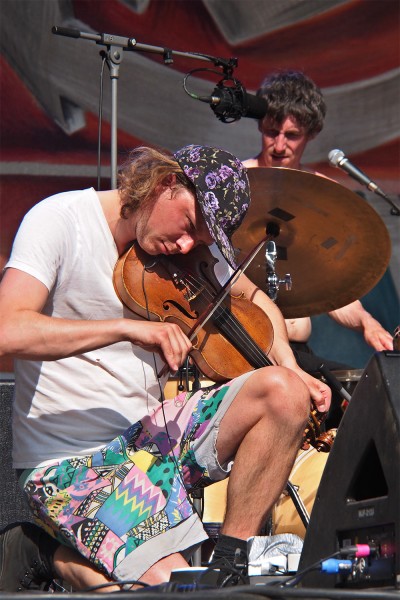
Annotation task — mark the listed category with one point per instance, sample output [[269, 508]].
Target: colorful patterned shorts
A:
[[126, 506]]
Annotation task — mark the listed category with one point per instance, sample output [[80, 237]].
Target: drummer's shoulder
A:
[[314, 172], [250, 163]]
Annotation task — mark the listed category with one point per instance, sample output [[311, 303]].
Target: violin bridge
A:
[[191, 295], [181, 285], [188, 293]]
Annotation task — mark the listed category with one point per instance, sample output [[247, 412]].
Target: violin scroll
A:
[[313, 433]]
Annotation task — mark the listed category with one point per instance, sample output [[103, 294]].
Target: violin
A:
[[180, 289]]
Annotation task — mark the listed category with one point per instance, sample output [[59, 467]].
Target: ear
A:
[[169, 180]]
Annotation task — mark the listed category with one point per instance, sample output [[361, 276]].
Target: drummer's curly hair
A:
[[145, 169], [292, 93]]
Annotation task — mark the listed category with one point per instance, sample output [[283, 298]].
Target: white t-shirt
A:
[[73, 406]]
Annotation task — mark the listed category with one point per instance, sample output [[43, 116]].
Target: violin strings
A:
[[196, 286], [232, 322]]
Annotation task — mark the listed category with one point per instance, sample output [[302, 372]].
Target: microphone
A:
[[231, 102], [338, 159]]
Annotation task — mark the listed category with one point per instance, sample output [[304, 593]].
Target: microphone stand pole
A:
[[395, 210], [114, 43]]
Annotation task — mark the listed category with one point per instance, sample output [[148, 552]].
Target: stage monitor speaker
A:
[[13, 506], [358, 499]]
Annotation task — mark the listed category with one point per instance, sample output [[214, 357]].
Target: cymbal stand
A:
[[334, 383], [298, 503], [114, 44], [273, 281]]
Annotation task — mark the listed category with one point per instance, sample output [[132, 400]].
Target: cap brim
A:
[[216, 232]]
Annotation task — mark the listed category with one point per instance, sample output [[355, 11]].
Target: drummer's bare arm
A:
[[298, 330], [354, 316], [281, 354]]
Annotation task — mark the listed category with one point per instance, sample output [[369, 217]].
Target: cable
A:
[[191, 94], [313, 567], [162, 400], [357, 551]]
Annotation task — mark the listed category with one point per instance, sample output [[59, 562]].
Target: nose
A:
[[280, 142], [185, 243]]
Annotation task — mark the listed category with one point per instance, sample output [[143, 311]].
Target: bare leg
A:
[[264, 427], [80, 573], [161, 571]]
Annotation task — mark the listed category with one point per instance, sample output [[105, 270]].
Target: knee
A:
[[283, 391]]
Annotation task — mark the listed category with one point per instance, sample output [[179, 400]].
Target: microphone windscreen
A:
[[335, 156], [255, 107]]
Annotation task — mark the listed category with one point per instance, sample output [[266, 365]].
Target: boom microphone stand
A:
[[114, 56]]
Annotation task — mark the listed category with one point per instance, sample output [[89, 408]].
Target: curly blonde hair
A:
[[145, 169]]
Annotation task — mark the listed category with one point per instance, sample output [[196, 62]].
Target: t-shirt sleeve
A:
[[42, 240]]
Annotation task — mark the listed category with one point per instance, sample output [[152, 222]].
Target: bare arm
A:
[[26, 333], [281, 353], [354, 316]]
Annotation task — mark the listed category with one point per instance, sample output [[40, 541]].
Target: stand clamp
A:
[[273, 281]]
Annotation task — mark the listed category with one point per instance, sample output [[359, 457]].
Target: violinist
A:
[[105, 462]]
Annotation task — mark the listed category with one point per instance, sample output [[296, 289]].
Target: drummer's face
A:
[[282, 144]]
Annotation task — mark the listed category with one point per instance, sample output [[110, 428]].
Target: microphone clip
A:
[[228, 100]]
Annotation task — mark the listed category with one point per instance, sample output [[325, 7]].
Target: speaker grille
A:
[[12, 503]]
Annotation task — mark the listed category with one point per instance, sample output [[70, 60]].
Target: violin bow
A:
[[226, 288]]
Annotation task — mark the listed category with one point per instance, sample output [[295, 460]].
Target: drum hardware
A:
[[291, 513], [344, 382], [298, 502], [198, 501], [273, 281], [335, 384]]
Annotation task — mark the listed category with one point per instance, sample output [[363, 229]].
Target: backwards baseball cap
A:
[[222, 190]]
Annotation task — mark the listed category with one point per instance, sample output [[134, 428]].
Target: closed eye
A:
[[191, 226]]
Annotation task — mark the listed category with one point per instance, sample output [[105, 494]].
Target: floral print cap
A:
[[222, 190]]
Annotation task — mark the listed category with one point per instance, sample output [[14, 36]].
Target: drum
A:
[[171, 387], [305, 477], [214, 506], [348, 378]]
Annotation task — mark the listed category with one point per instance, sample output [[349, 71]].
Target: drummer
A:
[[296, 112]]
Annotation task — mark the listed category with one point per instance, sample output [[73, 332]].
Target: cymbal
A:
[[330, 240]]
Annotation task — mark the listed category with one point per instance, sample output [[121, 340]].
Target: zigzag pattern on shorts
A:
[[132, 501]]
